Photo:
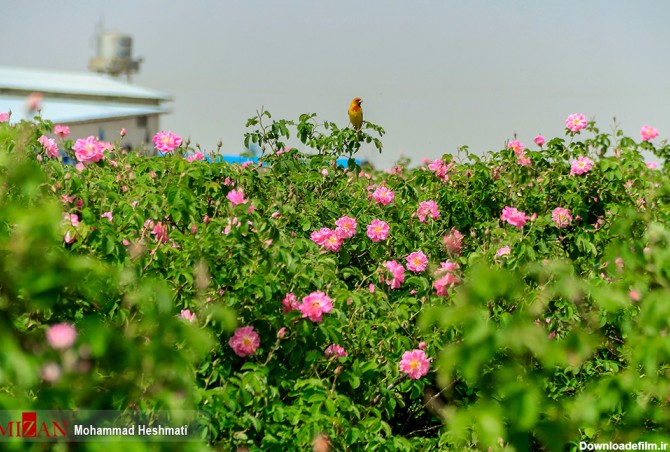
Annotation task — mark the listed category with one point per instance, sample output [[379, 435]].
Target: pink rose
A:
[[166, 141], [245, 341], [514, 217], [89, 150], [61, 335], [417, 261], [576, 122], [378, 230], [62, 131], [415, 364], [648, 133], [315, 305]]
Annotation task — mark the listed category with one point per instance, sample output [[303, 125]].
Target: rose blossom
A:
[[333, 242], [197, 156], [49, 145], [315, 305], [236, 197], [648, 133], [580, 166], [4, 117], [61, 335], [417, 261], [561, 217], [576, 122], [245, 341], [514, 217], [378, 230], [187, 314], [319, 237], [539, 140], [346, 227], [503, 252], [397, 274], [427, 209], [441, 169], [445, 277], [61, 130], [383, 195], [415, 364], [166, 141], [335, 350], [453, 242], [89, 150], [516, 146], [290, 303]]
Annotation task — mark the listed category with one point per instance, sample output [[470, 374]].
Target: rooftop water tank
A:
[[114, 54]]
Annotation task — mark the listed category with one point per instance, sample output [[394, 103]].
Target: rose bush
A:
[[516, 300]]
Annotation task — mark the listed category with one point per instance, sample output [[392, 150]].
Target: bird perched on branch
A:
[[356, 113]]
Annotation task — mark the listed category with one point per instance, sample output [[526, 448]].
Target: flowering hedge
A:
[[514, 300]]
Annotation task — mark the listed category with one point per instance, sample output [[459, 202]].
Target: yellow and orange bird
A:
[[356, 113]]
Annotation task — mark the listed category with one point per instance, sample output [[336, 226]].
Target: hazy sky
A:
[[435, 74]]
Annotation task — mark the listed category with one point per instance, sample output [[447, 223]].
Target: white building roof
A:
[[73, 83], [73, 111]]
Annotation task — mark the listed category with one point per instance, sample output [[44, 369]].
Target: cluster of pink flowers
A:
[[561, 217], [453, 242], [236, 197], [335, 350], [193, 157], [290, 303], [383, 195], [187, 315], [166, 141], [576, 122], [328, 239], [396, 274], [415, 364], [445, 277], [314, 305], [441, 169], [580, 166], [61, 336], [90, 150], [49, 145], [427, 209], [245, 341], [378, 230], [157, 229], [61, 131], [648, 133], [332, 239], [417, 261], [514, 217], [518, 149]]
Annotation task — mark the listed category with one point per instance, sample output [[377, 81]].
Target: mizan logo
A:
[[28, 427]]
